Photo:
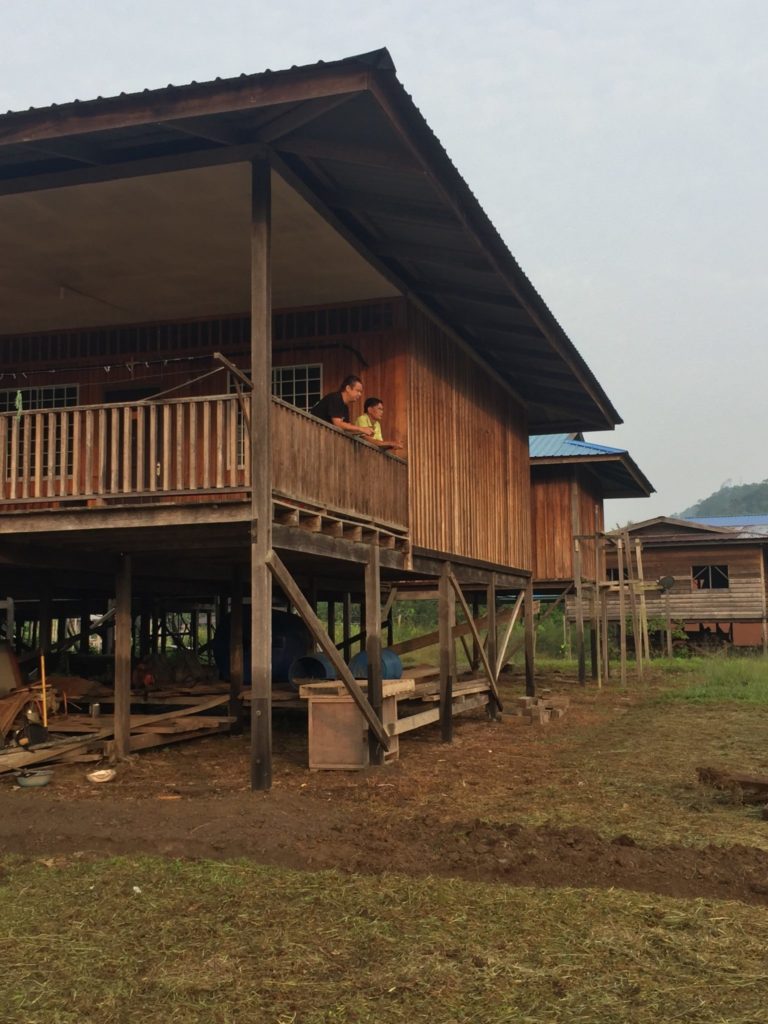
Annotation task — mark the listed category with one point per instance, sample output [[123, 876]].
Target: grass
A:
[[137, 940], [724, 680]]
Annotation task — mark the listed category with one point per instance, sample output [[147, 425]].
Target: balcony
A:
[[191, 450]]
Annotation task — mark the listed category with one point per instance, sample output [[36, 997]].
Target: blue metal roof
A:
[[759, 519], [559, 446]]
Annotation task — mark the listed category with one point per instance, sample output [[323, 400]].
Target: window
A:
[[302, 386], [612, 574], [710, 577], [34, 399]]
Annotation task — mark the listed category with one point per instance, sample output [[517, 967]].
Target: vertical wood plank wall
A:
[[469, 476], [552, 520]]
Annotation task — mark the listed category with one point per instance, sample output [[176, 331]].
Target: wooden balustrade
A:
[[128, 450], [189, 446], [314, 462]]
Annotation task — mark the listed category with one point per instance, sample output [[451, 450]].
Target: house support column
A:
[[530, 674], [261, 476], [446, 619], [373, 644], [236, 651], [123, 643]]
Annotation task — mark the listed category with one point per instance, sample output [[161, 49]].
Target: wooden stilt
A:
[[123, 658], [145, 623], [84, 643], [261, 476], [622, 614], [346, 619], [373, 644], [530, 671], [331, 608], [633, 606], [45, 620], [491, 642], [476, 647], [446, 620], [578, 580], [668, 614], [643, 603], [236, 652]]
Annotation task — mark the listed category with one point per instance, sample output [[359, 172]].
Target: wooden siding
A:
[[469, 477], [563, 500], [744, 598]]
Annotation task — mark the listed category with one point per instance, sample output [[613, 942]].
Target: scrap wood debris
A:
[[82, 737], [540, 710], [744, 788]]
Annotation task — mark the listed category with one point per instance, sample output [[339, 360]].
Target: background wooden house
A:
[[717, 570], [570, 480], [182, 272]]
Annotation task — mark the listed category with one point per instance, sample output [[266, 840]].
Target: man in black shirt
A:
[[334, 407]]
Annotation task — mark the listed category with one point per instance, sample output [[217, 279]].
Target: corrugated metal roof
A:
[[759, 519], [563, 446]]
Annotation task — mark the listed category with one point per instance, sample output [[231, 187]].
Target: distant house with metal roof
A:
[[570, 480], [717, 565]]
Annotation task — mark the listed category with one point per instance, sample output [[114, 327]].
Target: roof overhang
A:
[[617, 475], [349, 139]]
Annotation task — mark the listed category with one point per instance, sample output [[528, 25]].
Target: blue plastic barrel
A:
[[391, 665], [311, 666]]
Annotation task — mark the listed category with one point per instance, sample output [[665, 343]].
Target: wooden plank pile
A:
[[541, 710], [78, 737]]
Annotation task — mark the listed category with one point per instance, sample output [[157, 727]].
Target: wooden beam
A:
[[301, 115], [236, 653], [490, 675], [446, 617], [315, 626], [373, 644], [530, 670], [503, 658], [351, 153], [122, 723], [261, 476]]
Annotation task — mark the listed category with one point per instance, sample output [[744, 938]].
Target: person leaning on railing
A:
[[334, 407], [372, 417]]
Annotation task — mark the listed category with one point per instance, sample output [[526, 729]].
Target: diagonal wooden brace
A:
[[473, 628], [292, 591]]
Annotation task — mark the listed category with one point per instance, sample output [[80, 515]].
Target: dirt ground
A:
[[442, 810]]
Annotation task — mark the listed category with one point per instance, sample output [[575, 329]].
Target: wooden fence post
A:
[[373, 644]]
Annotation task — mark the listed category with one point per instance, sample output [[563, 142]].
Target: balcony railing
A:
[[166, 450]]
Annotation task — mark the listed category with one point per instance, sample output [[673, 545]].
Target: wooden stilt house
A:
[[183, 271]]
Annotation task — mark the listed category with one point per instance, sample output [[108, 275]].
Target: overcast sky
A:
[[620, 146]]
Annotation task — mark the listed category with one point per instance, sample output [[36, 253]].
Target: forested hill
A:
[[740, 500]]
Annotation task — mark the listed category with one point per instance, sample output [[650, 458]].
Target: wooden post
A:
[[346, 622], [373, 644], [579, 613], [475, 659], [491, 642], [331, 606], [236, 653], [764, 621], [622, 613], [636, 628], [261, 476], [84, 643], [668, 612], [643, 604], [446, 620], [123, 633], [145, 617], [45, 620], [530, 675]]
